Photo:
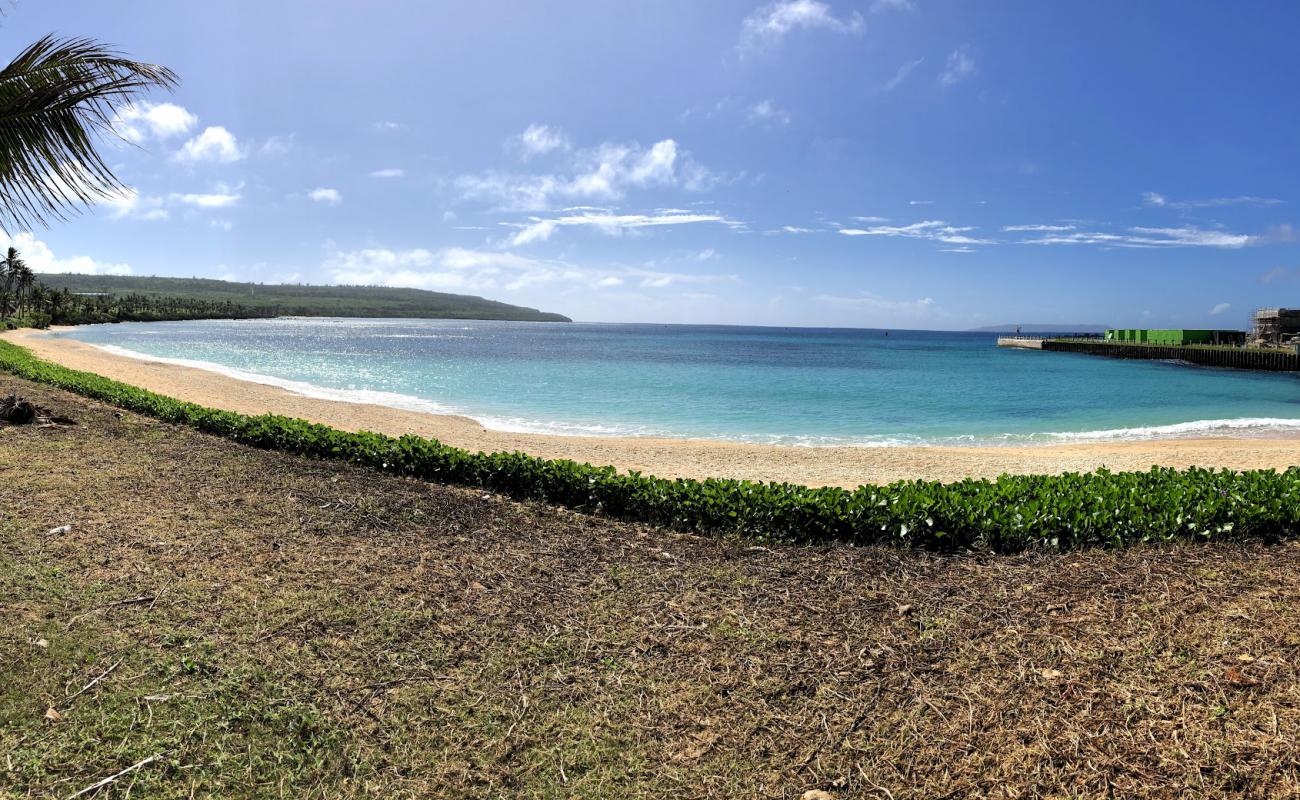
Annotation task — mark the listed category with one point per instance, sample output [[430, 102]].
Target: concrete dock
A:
[[1270, 360], [1024, 342]]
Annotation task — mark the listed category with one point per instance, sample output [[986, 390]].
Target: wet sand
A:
[[814, 466]]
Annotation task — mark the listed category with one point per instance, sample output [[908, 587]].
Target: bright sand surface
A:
[[669, 458]]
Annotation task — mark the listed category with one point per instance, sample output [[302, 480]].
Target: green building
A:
[[1175, 336]]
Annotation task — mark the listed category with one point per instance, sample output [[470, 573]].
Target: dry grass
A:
[[284, 627]]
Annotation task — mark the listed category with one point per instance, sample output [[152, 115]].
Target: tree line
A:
[[25, 302]]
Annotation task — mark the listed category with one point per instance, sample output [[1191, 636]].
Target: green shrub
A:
[[1012, 513]]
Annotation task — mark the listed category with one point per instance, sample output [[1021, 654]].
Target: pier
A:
[[1256, 358]]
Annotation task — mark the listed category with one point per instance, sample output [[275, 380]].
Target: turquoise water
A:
[[781, 385]]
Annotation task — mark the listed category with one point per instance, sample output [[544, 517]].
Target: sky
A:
[[857, 163]]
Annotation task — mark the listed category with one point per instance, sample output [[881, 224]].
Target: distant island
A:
[[1059, 327], [302, 300]]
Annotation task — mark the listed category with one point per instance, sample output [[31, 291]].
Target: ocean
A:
[[796, 386]]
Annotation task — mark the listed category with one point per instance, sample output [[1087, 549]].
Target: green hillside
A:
[[307, 301]]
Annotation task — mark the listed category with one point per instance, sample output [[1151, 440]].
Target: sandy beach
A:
[[814, 466]]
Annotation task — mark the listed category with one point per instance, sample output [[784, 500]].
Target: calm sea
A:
[[782, 385]]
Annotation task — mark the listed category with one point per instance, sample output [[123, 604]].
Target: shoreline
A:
[[846, 466]]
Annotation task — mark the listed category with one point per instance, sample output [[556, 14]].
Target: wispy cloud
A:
[[457, 268], [653, 279], [932, 230], [128, 203], [1219, 309], [1037, 228], [214, 144], [902, 74], [1277, 274], [537, 140], [221, 197], [602, 173], [920, 202], [770, 24], [1149, 237], [326, 195], [539, 230], [1156, 200], [866, 301], [960, 66], [390, 172], [765, 111], [141, 121], [881, 6]]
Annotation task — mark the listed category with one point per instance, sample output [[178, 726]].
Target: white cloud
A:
[[1037, 228], [40, 258], [537, 140], [769, 24], [1151, 237], [960, 66], [391, 172], [1219, 309], [933, 230], [866, 301], [602, 173], [326, 195], [766, 111], [222, 197], [901, 75], [794, 229], [881, 6], [140, 121], [539, 230], [386, 126], [1156, 200], [870, 219], [653, 279], [463, 269], [277, 145], [920, 202], [1275, 274], [128, 203], [215, 144]]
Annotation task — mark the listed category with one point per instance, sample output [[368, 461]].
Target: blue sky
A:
[[875, 163]]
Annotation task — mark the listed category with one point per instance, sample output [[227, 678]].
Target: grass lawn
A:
[[262, 625]]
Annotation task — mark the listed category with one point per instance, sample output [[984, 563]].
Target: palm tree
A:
[[8, 266], [56, 98], [24, 280]]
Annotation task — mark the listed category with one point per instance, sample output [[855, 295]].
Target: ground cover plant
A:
[[262, 624], [1009, 514]]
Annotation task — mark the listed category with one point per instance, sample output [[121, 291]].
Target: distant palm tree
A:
[[56, 98], [9, 267], [24, 280]]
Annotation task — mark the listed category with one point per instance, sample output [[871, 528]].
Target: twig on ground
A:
[[106, 781], [127, 602], [101, 676]]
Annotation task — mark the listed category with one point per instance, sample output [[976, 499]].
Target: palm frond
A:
[[56, 99]]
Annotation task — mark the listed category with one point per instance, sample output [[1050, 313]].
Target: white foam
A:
[[1257, 426], [404, 402], [1243, 427]]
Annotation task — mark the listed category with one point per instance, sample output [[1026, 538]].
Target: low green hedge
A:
[[1012, 513]]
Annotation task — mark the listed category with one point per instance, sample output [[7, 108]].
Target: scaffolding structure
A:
[[1276, 326]]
